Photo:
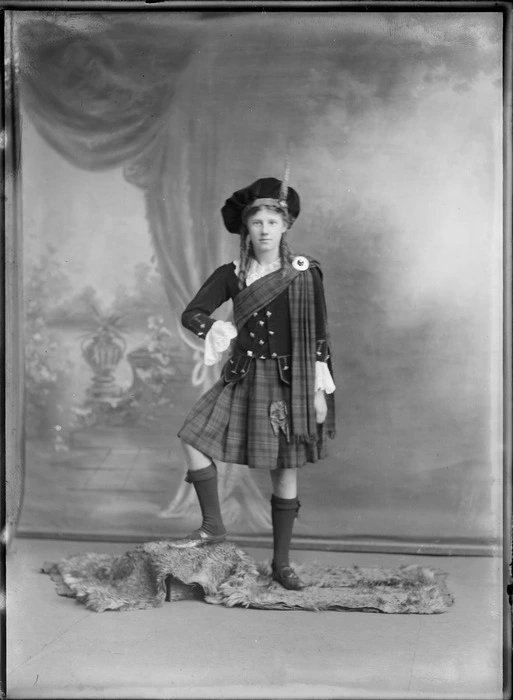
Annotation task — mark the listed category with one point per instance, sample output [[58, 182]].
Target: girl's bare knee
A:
[[195, 458], [284, 482]]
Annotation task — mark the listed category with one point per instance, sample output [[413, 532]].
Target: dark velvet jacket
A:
[[267, 334]]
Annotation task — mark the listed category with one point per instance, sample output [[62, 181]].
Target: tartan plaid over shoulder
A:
[[303, 336]]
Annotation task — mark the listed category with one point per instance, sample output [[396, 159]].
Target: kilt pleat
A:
[[231, 422]]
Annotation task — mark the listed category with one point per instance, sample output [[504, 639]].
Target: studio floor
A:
[[59, 649]]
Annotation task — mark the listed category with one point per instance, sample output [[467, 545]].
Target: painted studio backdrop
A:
[[135, 129]]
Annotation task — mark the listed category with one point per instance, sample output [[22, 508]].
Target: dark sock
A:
[[205, 485], [284, 512]]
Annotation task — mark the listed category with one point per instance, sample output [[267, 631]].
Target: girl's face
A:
[[265, 228]]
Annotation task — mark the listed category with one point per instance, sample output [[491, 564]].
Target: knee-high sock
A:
[[284, 512], [205, 485]]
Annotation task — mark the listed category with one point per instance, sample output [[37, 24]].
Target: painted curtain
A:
[[393, 125]]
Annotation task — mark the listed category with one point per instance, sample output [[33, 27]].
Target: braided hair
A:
[[246, 247]]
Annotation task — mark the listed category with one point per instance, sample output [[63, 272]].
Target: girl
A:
[[273, 406]]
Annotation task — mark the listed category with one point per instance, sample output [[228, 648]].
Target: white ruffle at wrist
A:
[[323, 379], [217, 341]]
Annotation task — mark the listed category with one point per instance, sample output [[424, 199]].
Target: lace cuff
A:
[[323, 378], [217, 341]]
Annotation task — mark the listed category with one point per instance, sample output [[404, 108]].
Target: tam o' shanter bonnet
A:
[[266, 191]]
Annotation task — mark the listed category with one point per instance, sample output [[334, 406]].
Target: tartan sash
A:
[[302, 320], [302, 386], [261, 293]]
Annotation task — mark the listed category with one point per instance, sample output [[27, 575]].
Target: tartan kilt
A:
[[231, 422]]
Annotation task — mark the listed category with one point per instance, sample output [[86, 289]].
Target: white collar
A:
[[257, 270]]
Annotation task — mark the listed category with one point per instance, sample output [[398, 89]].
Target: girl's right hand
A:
[[321, 407]]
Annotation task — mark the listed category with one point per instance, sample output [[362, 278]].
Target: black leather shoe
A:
[[287, 577], [197, 539]]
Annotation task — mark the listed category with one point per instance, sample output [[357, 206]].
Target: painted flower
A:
[[300, 263]]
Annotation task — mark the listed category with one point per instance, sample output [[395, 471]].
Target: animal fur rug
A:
[[224, 574]]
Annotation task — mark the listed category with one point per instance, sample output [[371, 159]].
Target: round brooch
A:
[[300, 263]]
